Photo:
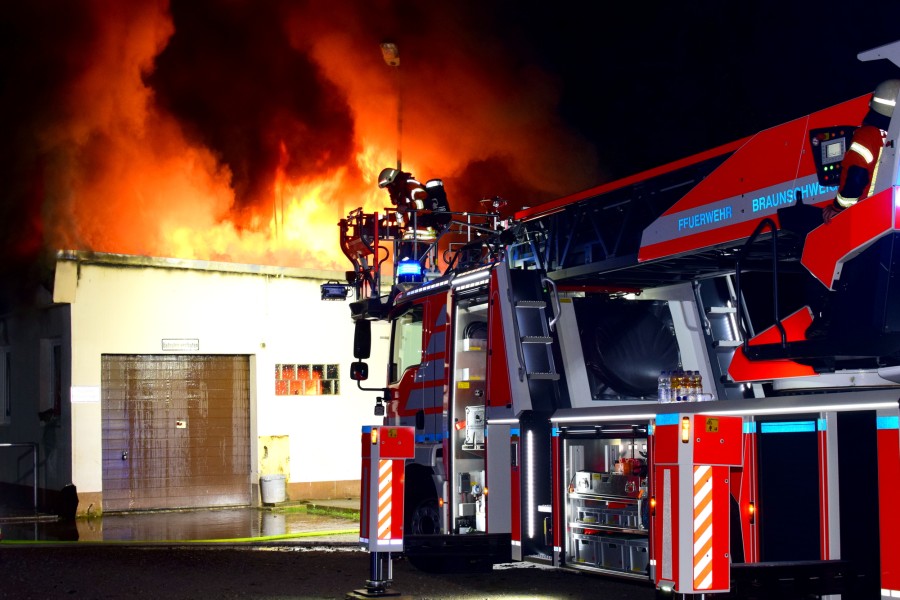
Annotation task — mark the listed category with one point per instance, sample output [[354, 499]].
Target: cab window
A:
[[406, 342]]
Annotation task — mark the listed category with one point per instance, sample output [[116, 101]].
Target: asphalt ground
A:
[[284, 552], [262, 572]]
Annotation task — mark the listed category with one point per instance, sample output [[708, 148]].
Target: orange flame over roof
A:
[[129, 162]]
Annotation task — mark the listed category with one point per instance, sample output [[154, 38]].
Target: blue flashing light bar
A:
[[409, 271], [409, 267]]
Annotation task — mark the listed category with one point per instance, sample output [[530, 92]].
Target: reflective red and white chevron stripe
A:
[[385, 468], [702, 527]]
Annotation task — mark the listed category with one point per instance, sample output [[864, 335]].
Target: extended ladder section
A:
[[594, 237]]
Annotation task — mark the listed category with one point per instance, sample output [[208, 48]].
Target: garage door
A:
[[176, 431]]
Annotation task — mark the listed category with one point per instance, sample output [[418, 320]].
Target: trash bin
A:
[[272, 488]]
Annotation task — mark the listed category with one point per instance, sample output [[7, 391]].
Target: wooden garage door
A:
[[176, 431]]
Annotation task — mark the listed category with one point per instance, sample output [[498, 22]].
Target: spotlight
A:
[[334, 290]]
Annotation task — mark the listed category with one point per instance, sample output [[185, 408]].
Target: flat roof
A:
[[129, 260]]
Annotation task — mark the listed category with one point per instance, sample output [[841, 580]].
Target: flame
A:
[[311, 381], [150, 134], [299, 380], [302, 225]]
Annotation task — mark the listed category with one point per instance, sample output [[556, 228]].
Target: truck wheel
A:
[[425, 518]]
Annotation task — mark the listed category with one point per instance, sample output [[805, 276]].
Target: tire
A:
[[424, 518], [420, 513]]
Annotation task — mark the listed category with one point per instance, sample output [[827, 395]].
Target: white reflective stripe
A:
[[846, 202], [874, 175], [862, 151], [434, 183], [885, 101]]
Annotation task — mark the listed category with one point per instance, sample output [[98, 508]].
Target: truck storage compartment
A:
[[606, 491]]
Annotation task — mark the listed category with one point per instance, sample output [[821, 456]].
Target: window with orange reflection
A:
[[307, 379]]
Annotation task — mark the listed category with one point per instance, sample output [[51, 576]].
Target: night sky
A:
[[122, 121], [653, 85]]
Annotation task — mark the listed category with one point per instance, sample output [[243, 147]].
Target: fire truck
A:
[[621, 382]]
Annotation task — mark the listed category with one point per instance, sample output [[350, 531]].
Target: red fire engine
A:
[[534, 366]]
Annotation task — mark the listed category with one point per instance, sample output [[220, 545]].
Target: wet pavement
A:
[[269, 553], [334, 521]]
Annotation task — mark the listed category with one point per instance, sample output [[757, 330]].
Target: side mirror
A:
[[359, 371], [362, 339]]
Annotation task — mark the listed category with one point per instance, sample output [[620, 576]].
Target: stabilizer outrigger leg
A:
[[381, 577]]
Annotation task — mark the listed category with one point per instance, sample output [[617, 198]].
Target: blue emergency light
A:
[[409, 271]]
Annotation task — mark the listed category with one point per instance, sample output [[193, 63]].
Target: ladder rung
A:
[[537, 339], [720, 310], [551, 376], [531, 304]]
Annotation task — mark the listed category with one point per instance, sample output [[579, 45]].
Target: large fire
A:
[[300, 227], [243, 131]]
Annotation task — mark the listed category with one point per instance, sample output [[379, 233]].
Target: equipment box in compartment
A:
[[623, 517], [629, 518], [612, 553], [638, 555], [613, 518], [585, 549], [590, 516]]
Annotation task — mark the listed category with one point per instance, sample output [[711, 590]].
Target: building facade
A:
[[160, 383]]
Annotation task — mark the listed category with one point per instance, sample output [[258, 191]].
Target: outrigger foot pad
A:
[[374, 593]]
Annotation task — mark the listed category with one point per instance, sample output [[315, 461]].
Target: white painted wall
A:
[[274, 315]]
